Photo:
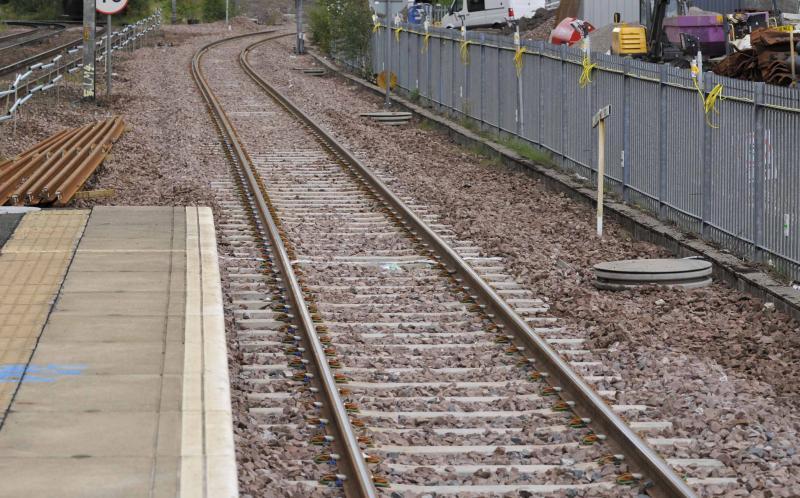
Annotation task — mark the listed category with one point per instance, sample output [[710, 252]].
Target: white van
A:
[[488, 13]]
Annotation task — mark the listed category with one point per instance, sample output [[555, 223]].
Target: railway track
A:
[[45, 54], [377, 348], [40, 31]]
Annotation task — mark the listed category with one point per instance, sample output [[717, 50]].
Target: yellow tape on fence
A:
[[397, 31], [586, 74], [425, 43], [376, 27], [465, 52], [710, 101], [519, 60]]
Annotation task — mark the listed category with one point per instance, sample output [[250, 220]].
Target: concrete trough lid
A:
[[627, 274], [388, 117]]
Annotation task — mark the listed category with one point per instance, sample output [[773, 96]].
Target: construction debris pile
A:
[[54, 170], [772, 58], [539, 26]]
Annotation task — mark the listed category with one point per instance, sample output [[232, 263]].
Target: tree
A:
[[213, 10], [343, 26]]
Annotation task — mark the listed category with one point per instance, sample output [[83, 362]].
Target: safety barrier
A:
[[48, 75], [718, 157]]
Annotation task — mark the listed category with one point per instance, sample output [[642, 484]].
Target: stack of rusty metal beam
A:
[[52, 172], [769, 59]]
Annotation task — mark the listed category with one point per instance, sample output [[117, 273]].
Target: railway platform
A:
[[113, 366]]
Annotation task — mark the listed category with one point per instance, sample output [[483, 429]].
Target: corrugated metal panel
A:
[[726, 6], [722, 6], [601, 12]]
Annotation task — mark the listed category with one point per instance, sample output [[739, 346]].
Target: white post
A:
[[601, 173], [599, 122]]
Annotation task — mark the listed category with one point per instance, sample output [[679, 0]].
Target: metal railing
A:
[[48, 75], [730, 175]]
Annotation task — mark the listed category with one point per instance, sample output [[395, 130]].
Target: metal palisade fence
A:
[[731, 175]]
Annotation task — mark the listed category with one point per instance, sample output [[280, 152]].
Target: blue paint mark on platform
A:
[[16, 372]]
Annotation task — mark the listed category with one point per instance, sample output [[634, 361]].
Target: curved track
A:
[[32, 59], [40, 31], [437, 377]]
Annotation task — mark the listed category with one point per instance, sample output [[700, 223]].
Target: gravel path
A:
[[718, 364]]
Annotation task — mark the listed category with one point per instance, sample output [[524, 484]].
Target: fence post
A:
[[428, 56], [626, 131], [759, 167], [483, 75], [441, 73], [418, 45], [662, 140], [540, 72], [562, 53], [499, 90], [408, 62], [455, 55], [465, 87], [594, 142], [705, 197], [520, 104], [388, 35]]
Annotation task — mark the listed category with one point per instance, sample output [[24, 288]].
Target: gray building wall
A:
[[601, 12]]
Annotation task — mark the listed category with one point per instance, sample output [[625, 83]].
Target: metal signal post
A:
[[109, 8], [300, 38]]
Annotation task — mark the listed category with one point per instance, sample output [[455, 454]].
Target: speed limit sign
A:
[[110, 7]]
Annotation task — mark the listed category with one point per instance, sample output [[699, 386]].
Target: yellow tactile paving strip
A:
[[33, 263]]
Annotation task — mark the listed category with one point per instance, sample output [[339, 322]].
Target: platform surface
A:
[[112, 400]]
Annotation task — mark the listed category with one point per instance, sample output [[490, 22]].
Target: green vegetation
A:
[[31, 9], [214, 10], [341, 26], [426, 125], [205, 10], [525, 150], [521, 147]]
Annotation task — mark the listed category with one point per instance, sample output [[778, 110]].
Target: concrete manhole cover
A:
[[629, 273], [387, 117]]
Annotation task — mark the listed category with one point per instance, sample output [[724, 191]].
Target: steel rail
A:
[[358, 480], [31, 36], [664, 482], [12, 36], [23, 63]]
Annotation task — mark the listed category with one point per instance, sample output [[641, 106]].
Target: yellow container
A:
[[628, 40]]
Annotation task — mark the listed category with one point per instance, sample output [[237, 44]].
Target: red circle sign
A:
[[110, 7]]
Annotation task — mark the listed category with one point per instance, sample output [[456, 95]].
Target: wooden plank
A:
[[104, 193]]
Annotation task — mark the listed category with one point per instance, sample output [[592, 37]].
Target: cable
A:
[[519, 60], [586, 74], [709, 101], [465, 51]]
